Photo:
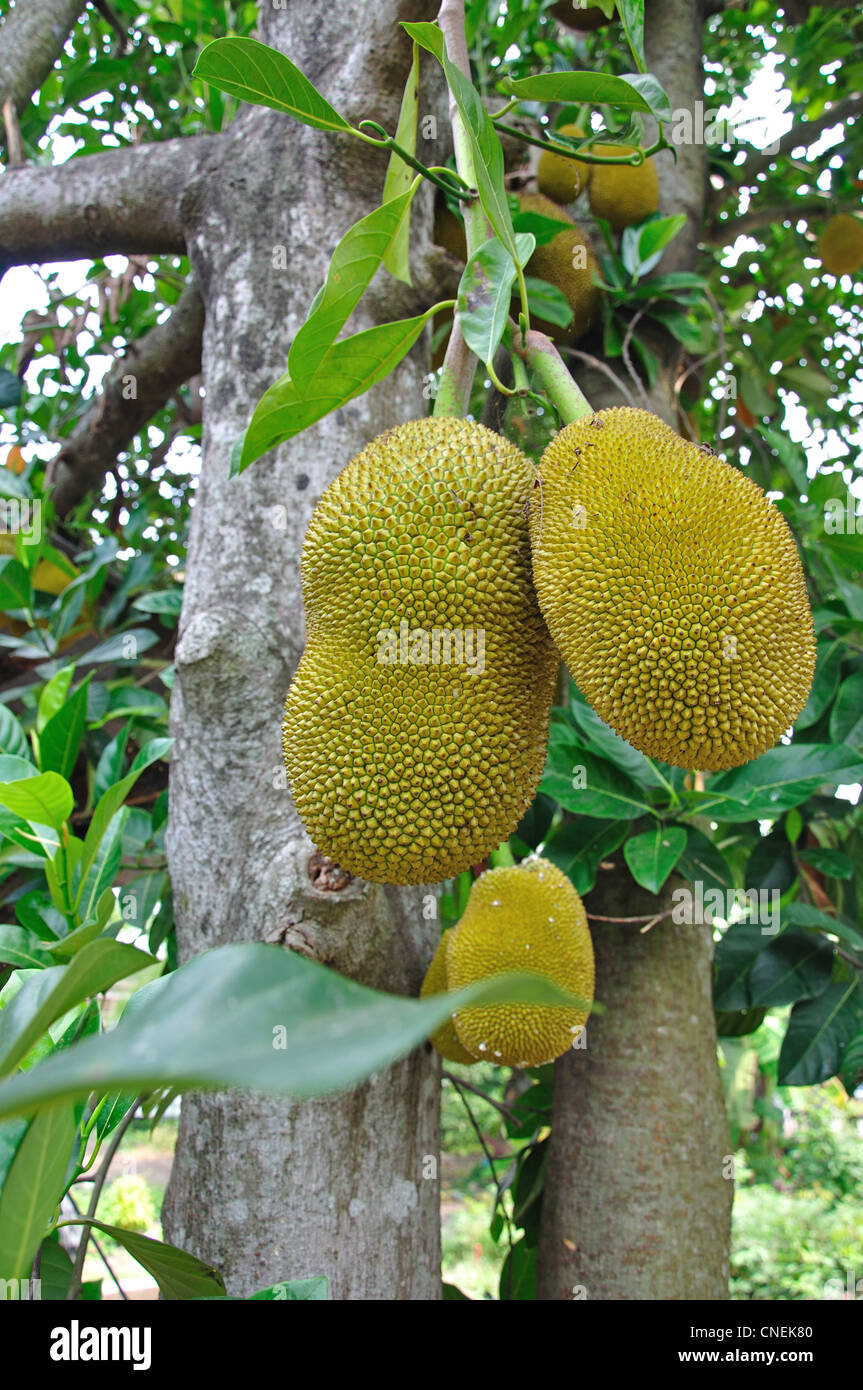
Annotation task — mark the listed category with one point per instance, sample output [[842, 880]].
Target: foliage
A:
[[128, 1204]]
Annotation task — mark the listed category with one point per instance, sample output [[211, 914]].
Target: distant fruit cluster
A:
[[526, 919], [624, 194]]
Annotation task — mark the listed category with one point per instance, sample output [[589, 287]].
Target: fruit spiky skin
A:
[[840, 245], [673, 589], [526, 918], [554, 262], [623, 194], [410, 760], [560, 178], [444, 1039]]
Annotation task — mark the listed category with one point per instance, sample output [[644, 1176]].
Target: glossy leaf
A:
[[399, 175], [60, 739], [34, 1185], [818, 1033], [178, 1274], [793, 966], [42, 800], [652, 856], [485, 291], [256, 73]]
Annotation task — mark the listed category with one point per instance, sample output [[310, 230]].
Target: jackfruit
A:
[[568, 263], [444, 1039], [673, 589], [560, 178], [840, 245], [578, 16], [414, 731], [527, 918], [622, 193]]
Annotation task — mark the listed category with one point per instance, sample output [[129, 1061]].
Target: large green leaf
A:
[[793, 966], [736, 953], [583, 783], [13, 740], [399, 175], [178, 1274], [579, 846], [846, 717], [354, 262], [349, 368], [256, 73], [33, 1188], [572, 88], [702, 862], [782, 778], [112, 799], [43, 800], [652, 856], [61, 736], [819, 1031], [23, 948], [53, 696], [257, 1017], [47, 996], [632, 18], [485, 291]]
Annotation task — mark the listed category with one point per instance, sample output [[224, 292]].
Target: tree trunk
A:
[[347, 1186], [636, 1204]]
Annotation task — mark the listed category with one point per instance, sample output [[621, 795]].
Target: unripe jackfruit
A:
[[622, 193], [414, 731], [673, 589], [527, 918], [444, 1039], [840, 245], [560, 178], [568, 263]]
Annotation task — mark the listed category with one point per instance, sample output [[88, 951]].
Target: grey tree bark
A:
[[31, 40], [636, 1203], [347, 1186]]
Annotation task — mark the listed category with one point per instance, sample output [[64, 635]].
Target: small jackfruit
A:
[[560, 178], [673, 590], [579, 16], [414, 730], [444, 1039], [567, 262], [840, 245], [623, 194], [523, 918]]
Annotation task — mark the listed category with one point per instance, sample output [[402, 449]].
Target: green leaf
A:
[[111, 800], [831, 862], [736, 952], [256, 73], [178, 1274], [851, 1070], [818, 1033], [22, 948], [654, 236], [542, 229], [122, 648], [165, 601], [11, 389], [33, 1188], [782, 778], [827, 670], [573, 88], [348, 369], [399, 175], [485, 291], [354, 262], [15, 589], [583, 783], [257, 1017], [632, 18], [13, 740], [484, 141], [846, 717], [42, 800], [48, 995], [60, 739], [295, 1290], [702, 862], [53, 696], [739, 1023], [804, 915], [579, 846], [518, 1273], [793, 966], [652, 856]]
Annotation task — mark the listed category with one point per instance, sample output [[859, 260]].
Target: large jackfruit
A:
[[623, 194], [673, 589], [567, 262], [560, 178], [840, 245], [414, 731], [528, 918], [445, 1038]]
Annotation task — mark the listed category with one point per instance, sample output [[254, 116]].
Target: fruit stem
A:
[[540, 353]]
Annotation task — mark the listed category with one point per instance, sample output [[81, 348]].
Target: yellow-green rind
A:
[[404, 772], [445, 1038], [840, 245], [673, 590], [568, 262], [623, 194], [559, 178], [527, 918]]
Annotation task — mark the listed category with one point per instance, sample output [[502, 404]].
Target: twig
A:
[[81, 1253], [624, 350], [102, 1256], [602, 367], [477, 1091]]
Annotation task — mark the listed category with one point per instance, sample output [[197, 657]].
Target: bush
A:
[[791, 1246], [128, 1203]]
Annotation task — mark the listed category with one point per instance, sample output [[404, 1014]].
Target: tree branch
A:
[[723, 233], [31, 40], [140, 384], [124, 201], [801, 133]]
